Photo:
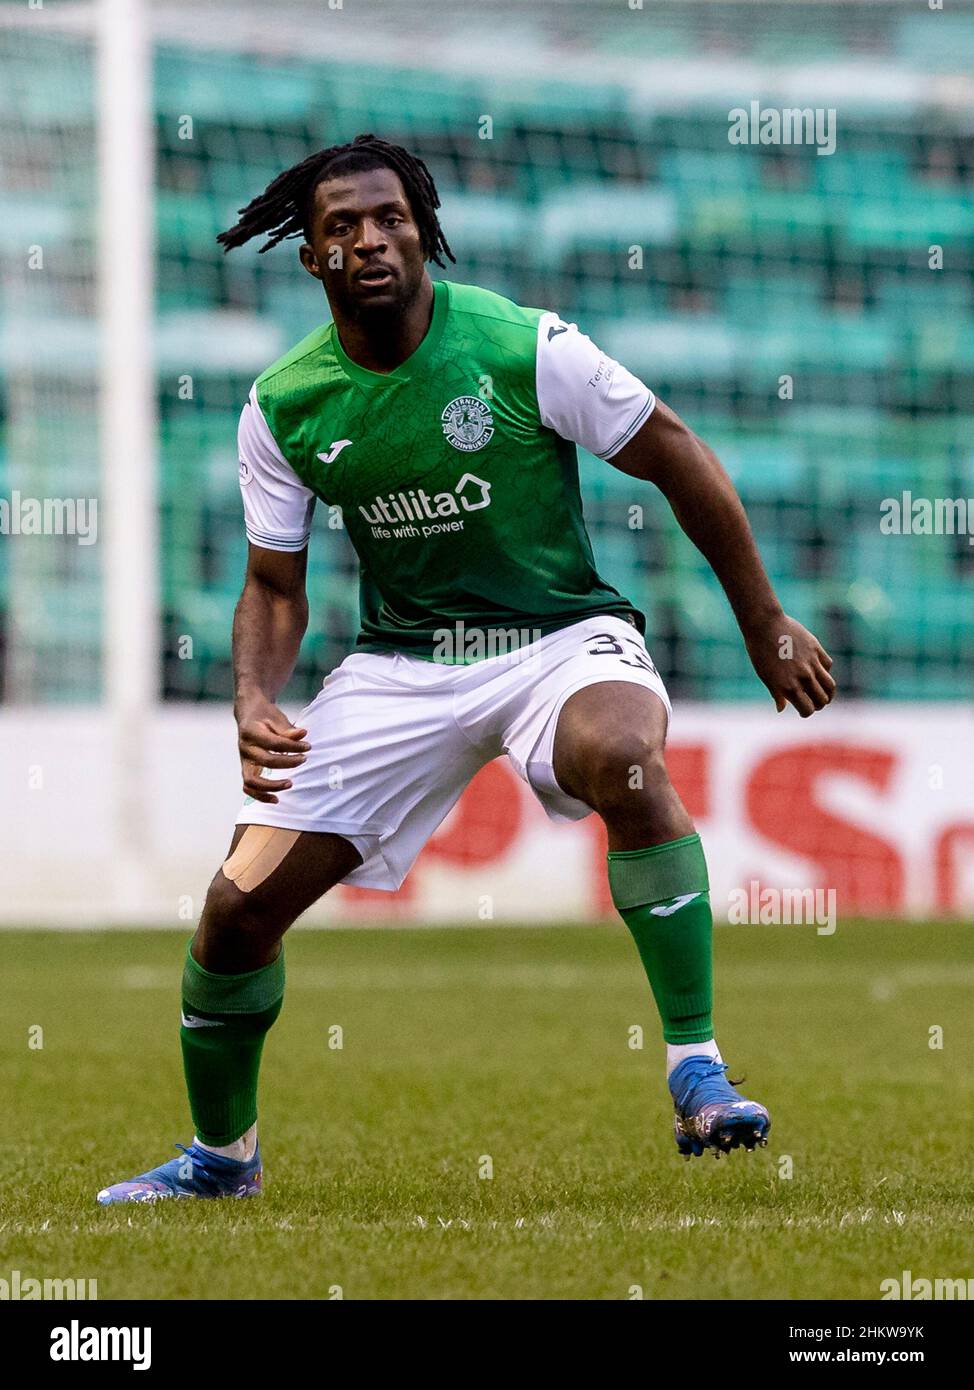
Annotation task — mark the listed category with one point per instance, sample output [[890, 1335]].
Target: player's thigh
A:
[[282, 870], [610, 736], [269, 877]]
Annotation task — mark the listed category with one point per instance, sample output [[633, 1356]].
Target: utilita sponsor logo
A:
[[402, 510]]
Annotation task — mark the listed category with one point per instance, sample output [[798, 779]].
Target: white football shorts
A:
[[395, 739]]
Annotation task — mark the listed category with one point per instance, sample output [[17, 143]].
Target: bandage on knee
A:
[[259, 852]]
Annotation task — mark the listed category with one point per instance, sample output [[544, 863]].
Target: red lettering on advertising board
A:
[[949, 847], [782, 801]]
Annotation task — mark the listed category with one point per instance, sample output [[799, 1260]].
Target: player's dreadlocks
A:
[[284, 207]]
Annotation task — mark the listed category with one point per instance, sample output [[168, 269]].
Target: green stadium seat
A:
[[751, 299], [610, 217], [773, 220], [187, 224], [928, 217], [45, 220], [615, 552], [941, 345], [941, 45], [835, 342], [484, 221], [924, 294], [295, 302], [766, 467], [907, 681], [927, 628], [659, 39], [231, 88], [709, 171], [217, 340], [366, 97], [783, 554], [204, 615], [46, 84], [778, 43], [789, 217], [858, 173], [697, 348]]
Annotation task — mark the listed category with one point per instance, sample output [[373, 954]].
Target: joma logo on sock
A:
[[77, 1343], [667, 909]]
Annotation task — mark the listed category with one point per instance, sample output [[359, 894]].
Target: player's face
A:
[[365, 245]]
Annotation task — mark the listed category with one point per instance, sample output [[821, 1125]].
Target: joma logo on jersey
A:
[[335, 450], [471, 494]]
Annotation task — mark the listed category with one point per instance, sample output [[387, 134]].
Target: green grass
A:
[[513, 1044]]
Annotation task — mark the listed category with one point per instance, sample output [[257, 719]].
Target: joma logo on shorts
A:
[[471, 494]]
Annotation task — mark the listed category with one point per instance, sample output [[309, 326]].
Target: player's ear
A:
[[309, 260]]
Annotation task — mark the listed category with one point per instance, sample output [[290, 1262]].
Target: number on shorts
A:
[[607, 645]]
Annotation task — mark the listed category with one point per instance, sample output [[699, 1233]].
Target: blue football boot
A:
[[709, 1112], [198, 1173]]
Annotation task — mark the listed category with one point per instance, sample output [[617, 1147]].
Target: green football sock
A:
[[663, 896], [225, 1020]]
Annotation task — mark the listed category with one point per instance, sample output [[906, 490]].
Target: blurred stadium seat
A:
[[757, 263]]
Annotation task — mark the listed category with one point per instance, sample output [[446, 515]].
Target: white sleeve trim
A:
[[585, 395], [277, 505]]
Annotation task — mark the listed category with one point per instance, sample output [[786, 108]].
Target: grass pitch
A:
[[468, 1045]]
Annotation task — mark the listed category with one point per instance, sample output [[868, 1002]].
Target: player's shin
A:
[[663, 895], [225, 1020]]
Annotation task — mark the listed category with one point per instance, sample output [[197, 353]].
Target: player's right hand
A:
[[267, 738], [792, 663]]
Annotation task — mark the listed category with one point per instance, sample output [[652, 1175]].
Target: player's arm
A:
[[272, 613], [586, 396], [269, 622], [787, 657]]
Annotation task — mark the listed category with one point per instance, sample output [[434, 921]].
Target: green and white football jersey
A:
[[456, 473]]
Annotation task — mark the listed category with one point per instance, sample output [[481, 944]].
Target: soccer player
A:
[[442, 420]]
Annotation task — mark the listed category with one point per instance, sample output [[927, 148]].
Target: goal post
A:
[[125, 277]]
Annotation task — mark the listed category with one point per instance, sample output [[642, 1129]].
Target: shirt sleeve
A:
[[585, 395], [277, 505]]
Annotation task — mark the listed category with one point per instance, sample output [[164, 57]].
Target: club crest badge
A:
[[468, 423]]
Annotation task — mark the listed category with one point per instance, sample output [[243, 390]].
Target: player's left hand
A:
[[792, 663]]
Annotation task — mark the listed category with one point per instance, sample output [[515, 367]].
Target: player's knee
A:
[[624, 769], [229, 909], [225, 904]]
